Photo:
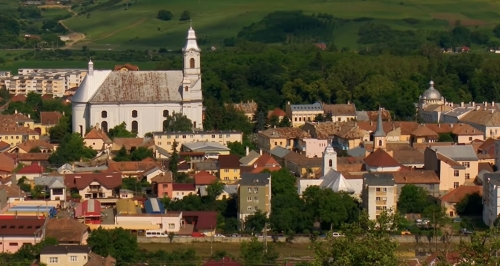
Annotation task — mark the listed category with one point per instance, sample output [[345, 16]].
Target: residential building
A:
[[491, 196], [300, 165], [229, 168], [367, 116], [264, 162], [450, 200], [18, 119], [179, 191], [381, 161], [97, 139], [455, 165], [311, 147], [145, 100], [17, 232], [250, 157], [162, 185], [248, 108], [426, 179], [211, 149], [75, 255], [379, 194], [38, 145], [201, 221], [299, 114], [484, 120], [31, 172], [3, 76], [286, 137], [131, 168], [67, 231], [340, 112], [278, 113], [497, 153], [347, 138], [254, 194], [47, 120], [94, 185], [9, 194], [131, 144], [170, 221], [151, 172], [165, 140], [203, 178], [8, 164], [14, 134], [460, 132], [54, 185], [423, 134]]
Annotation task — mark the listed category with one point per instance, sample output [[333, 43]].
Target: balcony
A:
[[94, 190]]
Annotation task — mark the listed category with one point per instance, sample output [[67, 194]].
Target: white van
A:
[[156, 233]]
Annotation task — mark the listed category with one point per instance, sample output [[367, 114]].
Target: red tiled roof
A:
[[226, 261], [204, 178], [29, 157], [183, 187], [460, 192], [488, 146], [50, 118], [202, 219], [4, 145], [33, 168], [381, 158], [20, 227], [81, 181], [97, 134], [229, 161], [7, 163], [127, 66], [18, 98]]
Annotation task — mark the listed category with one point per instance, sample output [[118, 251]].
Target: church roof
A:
[[89, 86], [140, 87], [336, 181]]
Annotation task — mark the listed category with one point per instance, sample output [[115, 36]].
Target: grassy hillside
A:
[[215, 20]]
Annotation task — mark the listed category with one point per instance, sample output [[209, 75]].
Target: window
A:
[[183, 136], [194, 124], [470, 138], [104, 114], [186, 88], [134, 113], [104, 126], [455, 184], [235, 170], [250, 190], [72, 258], [213, 136], [135, 127], [467, 176], [249, 199], [249, 208], [13, 244], [466, 164], [226, 170], [165, 185], [220, 136], [380, 143], [377, 199], [191, 63], [256, 199], [171, 226], [256, 189], [330, 163], [456, 173], [53, 260], [165, 113]]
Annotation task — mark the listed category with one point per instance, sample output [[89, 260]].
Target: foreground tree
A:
[[471, 204], [120, 131], [59, 131], [118, 243], [412, 199], [174, 161], [367, 243], [177, 122], [71, 149], [254, 252]]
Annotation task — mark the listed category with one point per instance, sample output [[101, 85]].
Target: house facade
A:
[[491, 196], [20, 232], [379, 194], [94, 185], [299, 114], [229, 168], [165, 140], [254, 194]]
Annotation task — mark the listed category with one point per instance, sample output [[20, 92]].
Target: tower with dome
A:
[[142, 99], [430, 104]]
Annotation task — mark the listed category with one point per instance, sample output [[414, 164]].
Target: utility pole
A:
[[211, 242], [265, 237]]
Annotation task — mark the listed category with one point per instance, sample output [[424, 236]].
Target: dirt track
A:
[[73, 36]]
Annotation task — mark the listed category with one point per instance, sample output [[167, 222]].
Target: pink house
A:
[[313, 147], [17, 232], [162, 185]]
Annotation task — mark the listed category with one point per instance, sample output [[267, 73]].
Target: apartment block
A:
[[165, 140], [254, 194], [379, 194], [491, 194]]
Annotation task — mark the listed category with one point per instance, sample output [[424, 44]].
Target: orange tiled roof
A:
[[30, 144], [97, 134], [131, 166], [423, 131], [381, 158], [285, 132], [204, 178], [416, 177], [460, 192], [50, 118]]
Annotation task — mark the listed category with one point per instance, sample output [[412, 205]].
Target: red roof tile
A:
[[204, 178], [202, 219], [20, 227], [381, 158], [183, 187], [460, 192], [33, 168], [278, 112], [50, 118], [18, 98], [229, 161], [81, 181], [226, 261]]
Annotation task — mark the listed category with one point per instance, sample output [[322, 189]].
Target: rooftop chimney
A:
[[247, 150], [462, 104], [260, 151]]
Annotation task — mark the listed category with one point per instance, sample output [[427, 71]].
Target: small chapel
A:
[[142, 99]]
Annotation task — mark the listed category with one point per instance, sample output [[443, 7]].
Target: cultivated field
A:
[[216, 20]]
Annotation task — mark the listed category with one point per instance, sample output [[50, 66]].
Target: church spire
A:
[[90, 71], [191, 43], [379, 132]]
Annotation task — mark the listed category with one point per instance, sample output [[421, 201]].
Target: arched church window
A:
[[380, 143], [135, 126], [104, 114], [186, 88], [191, 63], [104, 126], [330, 163], [134, 113], [165, 124], [165, 113]]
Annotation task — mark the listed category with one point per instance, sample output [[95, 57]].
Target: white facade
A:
[[168, 222], [491, 202], [141, 99]]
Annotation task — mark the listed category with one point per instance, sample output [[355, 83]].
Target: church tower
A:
[[191, 52], [90, 70], [379, 137], [329, 160]]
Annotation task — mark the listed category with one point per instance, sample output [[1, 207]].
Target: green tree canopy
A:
[[71, 149], [253, 252], [412, 199], [164, 15], [59, 131], [120, 131], [118, 243], [471, 204], [177, 122]]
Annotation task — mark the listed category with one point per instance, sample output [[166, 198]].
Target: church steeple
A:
[[379, 136], [90, 71], [329, 160], [191, 56], [191, 43]]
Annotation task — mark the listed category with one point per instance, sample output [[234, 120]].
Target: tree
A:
[[121, 155], [260, 118], [118, 243], [482, 249], [437, 217], [285, 122], [274, 121], [120, 131], [186, 15], [21, 183], [445, 137], [174, 160], [35, 150], [215, 189], [71, 149], [256, 222], [177, 122], [164, 15], [239, 148], [28, 253], [496, 31], [141, 153], [59, 131], [471, 204], [365, 243], [253, 252], [412, 199]]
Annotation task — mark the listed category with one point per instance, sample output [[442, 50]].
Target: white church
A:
[[141, 99]]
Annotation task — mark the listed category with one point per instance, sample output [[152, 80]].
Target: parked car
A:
[[405, 232], [466, 231], [337, 234], [219, 235], [457, 220], [198, 234], [235, 235]]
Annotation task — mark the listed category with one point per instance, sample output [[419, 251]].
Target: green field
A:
[[214, 20]]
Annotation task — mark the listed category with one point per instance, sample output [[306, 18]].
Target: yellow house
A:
[[299, 114], [75, 255], [423, 134], [350, 137], [47, 120], [229, 168], [97, 139], [15, 135], [17, 119], [165, 140], [455, 165], [284, 137], [302, 166]]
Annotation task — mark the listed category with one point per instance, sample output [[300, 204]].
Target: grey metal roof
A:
[[65, 249], [362, 116], [50, 181], [250, 179], [206, 165], [306, 107], [457, 152], [231, 189], [204, 146], [90, 168], [140, 87], [357, 152], [379, 132], [378, 180], [252, 155], [459, 111], [162, 151], [279, 152], [480, 176]]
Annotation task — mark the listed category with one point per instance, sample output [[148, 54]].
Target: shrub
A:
[[164, 15], [185, 16]]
